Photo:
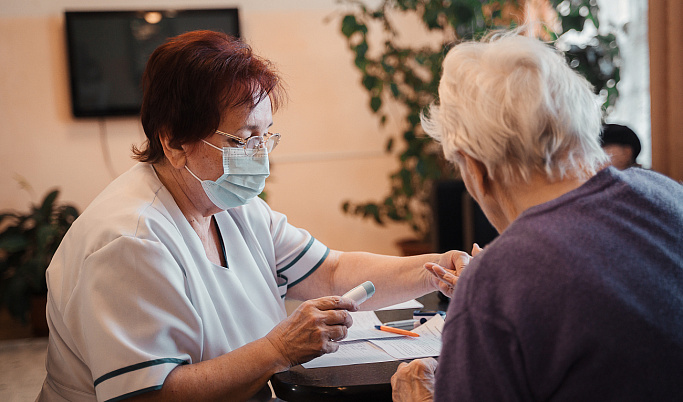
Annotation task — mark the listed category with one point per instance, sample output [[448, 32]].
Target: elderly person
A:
[[171, 284], [581, 296]]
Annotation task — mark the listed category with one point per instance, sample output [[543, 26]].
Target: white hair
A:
[[512, 103]]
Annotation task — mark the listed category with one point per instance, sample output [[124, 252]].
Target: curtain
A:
[[666, 86]]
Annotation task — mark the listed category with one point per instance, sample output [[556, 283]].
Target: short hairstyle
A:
[[190, 81], [621, 135], [512, 103]]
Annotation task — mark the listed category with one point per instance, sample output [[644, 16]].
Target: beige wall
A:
[[331, 148]]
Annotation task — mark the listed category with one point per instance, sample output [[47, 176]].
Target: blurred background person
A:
[[621, 145]]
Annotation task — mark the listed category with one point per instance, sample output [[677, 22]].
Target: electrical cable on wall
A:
[[105, 148]]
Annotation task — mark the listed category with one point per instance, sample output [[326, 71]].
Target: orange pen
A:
[[396, 330]]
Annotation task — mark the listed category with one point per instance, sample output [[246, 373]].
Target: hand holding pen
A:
[[313, 329]]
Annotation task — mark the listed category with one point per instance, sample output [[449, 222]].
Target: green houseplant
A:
[[395, 72], [27, 243]]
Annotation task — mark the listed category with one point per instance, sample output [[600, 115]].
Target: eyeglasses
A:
[[252, 144]]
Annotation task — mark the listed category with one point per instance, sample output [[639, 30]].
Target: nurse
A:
[[171, 284]]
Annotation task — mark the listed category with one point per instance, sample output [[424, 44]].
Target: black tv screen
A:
[[108, 51]]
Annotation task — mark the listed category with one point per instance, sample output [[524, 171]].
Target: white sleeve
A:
[[133, 318], [298, 254]]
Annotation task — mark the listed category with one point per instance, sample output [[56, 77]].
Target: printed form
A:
[[365, 344]]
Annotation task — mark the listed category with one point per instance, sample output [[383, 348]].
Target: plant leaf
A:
[[375, 103], [349, 25], [48, 204], [13, 241]]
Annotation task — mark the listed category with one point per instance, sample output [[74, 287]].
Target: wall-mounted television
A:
[[108, 51]]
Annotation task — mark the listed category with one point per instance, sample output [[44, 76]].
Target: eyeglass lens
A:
[[269, 144]]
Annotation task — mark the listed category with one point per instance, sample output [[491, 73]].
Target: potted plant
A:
[[409, 75], [27, 243]]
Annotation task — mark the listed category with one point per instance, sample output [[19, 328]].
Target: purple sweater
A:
[[580, 299]]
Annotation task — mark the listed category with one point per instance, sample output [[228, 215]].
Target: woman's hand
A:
[[414, 381], [447, 272], [313, 329]]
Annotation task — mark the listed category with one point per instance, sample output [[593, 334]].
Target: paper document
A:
[[374, 350], [364, 327], [427, 345], [358, 352]]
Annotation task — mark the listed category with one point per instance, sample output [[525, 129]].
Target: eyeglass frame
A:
[[262, 140]]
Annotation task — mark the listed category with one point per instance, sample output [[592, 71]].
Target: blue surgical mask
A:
[[244, 177]]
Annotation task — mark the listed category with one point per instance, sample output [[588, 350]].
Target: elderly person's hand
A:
[[414, 381], [313, 329], [447, 273]]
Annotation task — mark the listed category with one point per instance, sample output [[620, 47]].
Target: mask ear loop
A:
[[193, 175], [211, 145], [188, 169]]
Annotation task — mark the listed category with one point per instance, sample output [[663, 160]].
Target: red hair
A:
[[191, 79]]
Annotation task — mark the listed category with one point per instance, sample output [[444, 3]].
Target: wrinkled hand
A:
[[414, 381], [312, 329], [447, 272]]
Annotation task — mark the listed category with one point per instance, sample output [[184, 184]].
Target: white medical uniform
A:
[[132, 294]]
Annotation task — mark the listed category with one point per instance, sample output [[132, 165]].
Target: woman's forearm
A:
[[396, 279], [310, 331], [234, 376]]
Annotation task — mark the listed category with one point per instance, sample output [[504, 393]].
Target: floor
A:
[[22, 368]]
